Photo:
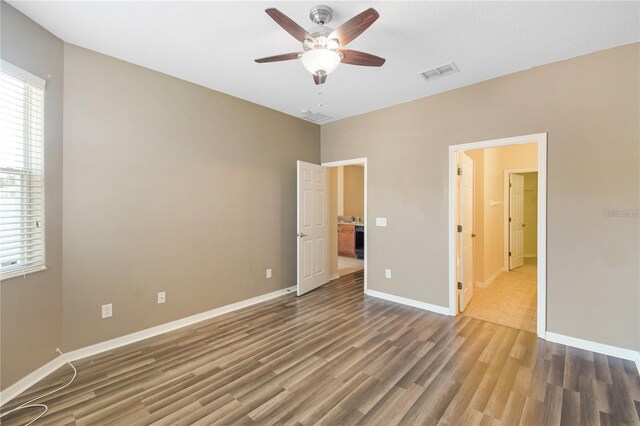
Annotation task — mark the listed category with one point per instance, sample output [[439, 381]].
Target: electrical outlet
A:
[[387, 273], [269, 273], [107, 311], [162, 297]]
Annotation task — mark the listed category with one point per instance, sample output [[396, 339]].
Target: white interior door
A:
[[313, 227], [465, 235], [516, 215]]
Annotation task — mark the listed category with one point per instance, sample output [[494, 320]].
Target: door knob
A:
[[524, 224], [302, 235], [473, 235]]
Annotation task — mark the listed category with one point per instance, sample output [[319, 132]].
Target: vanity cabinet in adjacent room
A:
[[346, 240]]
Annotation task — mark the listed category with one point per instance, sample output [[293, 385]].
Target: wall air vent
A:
[[316, 117], [440, 71]]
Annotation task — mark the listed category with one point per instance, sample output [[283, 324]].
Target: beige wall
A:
[[169, 186], [531, 214], [31, 307], [589, 106], [333, 220], [353, 191], [340, 189]]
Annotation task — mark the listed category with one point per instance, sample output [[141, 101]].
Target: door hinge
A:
[[459, 285], [459, 171], [509, 220], [509, 253], [509, 184], [459, 228]]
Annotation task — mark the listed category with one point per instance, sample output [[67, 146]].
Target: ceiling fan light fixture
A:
[[333, 43], [320, 61]]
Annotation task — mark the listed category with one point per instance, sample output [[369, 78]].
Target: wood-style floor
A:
[[338, 357]]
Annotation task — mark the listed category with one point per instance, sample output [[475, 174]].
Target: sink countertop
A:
[[351, 223]]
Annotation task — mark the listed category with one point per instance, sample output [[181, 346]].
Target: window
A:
[[21, 172]]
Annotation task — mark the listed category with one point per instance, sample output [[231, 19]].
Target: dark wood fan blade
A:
[[355, 26], [353, 57], [277, 58], [319, 79], [289, 26]]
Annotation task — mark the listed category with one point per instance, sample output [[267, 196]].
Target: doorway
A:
[[317, 226], [497, 239], [347, 217]]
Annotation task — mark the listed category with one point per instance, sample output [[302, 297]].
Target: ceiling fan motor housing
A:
[[320, 15]]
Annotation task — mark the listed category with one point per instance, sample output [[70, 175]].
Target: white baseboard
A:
[[410, 302], [31, 379], [595, 347], [334, 277], [491, 278]]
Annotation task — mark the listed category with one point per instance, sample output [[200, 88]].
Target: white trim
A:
[[638, 362], [31, 379], [491, 278], [353, 162], [334, 277], [600, 348], [505, 216], [17, 72], [541, 139], [542, 235], [409, 302]]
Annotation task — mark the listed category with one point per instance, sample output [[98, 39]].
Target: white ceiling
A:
[[214, 44]]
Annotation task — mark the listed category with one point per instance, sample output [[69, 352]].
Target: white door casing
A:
[[313, 227], [516, 215], [541, 140], [465, 237]]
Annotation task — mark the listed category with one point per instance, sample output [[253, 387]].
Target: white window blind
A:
[[21, 172]]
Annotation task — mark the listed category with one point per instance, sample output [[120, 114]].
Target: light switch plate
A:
[[107, 311], [387, 273], [162, 297], [269, 273], [381, 221]]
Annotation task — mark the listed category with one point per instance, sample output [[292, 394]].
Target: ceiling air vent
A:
[[440, 71], [316, 117]]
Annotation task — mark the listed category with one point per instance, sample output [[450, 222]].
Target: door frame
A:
[[353, 162], [541, 139], [507, 196]]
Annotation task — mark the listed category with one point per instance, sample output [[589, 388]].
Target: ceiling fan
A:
[[323, 47]]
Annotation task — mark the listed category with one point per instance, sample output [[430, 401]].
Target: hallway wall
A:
[[531, 214]]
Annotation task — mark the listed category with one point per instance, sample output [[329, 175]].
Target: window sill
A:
[[22, 273]]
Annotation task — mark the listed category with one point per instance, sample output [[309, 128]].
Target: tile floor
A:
[[349, 265], [511, 299]]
